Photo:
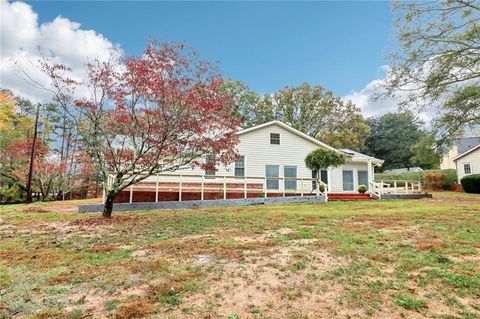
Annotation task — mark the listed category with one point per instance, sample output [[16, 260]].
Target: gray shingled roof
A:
[[466, 143]]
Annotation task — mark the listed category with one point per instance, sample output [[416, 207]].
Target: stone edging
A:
[[201, 204]]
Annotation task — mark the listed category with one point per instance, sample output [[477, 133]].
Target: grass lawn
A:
[[377, 259]]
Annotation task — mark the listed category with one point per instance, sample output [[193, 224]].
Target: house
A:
[[468, 162], [275, 149], [459, 146], [272, 163], [403, 170]]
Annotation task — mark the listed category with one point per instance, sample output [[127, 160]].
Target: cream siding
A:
[[255, 146], [473, 159], [337, 176], [447, 159]]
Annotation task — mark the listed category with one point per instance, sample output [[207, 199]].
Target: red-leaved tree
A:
[[162, 111]]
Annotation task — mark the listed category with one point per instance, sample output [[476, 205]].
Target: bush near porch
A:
[[471, 183], [429, 178]]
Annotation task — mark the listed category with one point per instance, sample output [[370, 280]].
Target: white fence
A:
[[202, 184], [378, 189]]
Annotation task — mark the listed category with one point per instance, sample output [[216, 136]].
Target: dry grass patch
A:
[[377, 259]]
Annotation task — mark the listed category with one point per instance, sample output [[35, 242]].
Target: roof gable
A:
[[291, 130], [467, 152]]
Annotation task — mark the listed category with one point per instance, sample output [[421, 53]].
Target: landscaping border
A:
[[202, 204], [406, 196]]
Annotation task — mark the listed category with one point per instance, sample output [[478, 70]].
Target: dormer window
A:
[[275, 138]]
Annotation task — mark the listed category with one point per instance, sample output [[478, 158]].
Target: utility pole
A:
[[32, 156]]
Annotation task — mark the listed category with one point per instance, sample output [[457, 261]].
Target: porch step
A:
[[348, 197]]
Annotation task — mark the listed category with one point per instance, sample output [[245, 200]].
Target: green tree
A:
[[426, 154], [311, 110], [321, 159], [438, 60], [245, 101], [459, 112], [392, 137]]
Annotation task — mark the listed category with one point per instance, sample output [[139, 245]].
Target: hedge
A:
[[450, 176], [471, 183]]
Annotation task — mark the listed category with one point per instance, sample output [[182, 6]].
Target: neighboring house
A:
[[272, 161], [403, 170], [459, 146], [468, 162]]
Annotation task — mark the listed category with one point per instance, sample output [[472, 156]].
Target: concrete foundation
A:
[[406, 196], [202, 204]]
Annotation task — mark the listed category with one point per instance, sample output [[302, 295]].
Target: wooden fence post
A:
[[131, 194], [265, 187], [180, 189], [301, 186], [224, 187], [156, 189], [245, 187]]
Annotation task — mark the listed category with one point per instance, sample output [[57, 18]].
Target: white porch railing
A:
[[378, 189], [183, 183]]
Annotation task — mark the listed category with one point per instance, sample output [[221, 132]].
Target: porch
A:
[[196, 187]]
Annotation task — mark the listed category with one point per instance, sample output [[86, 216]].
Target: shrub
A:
[[471, 183], [321, 188], [362, 188], [434, 180]]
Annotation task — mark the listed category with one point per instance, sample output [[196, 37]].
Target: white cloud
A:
[[24, 42], [372, 102]]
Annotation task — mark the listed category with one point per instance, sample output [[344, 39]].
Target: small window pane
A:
[[290, 172], [275, 138], [210, 159], [467, 169], [240, 167], [272, 171], [348, 180]]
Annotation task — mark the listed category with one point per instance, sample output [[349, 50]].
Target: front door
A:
[[363, 178]]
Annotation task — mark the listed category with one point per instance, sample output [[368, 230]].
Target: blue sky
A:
[[268, 45]]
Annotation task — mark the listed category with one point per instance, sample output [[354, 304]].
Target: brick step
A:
[[348, 197]]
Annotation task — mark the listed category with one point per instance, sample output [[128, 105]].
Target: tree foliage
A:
[[392, 137], [439, 59], [146, 115], [321, 159], [426, 153], [311, 110]]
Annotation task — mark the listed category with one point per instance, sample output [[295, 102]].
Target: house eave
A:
[[466, 153]]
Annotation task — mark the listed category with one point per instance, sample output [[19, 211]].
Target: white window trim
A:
[[270, 138], [244, 168], [469, 164]]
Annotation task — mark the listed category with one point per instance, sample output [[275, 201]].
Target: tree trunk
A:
[[107, 209]]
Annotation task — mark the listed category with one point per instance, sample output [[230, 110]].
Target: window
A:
[[290, 172], [467, 168], [272, 171], [210, 161], [240, 167], [348, 180], [275, 138]]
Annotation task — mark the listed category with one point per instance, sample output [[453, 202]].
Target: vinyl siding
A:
[[258, 152], [336, 180], [473, 158]]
